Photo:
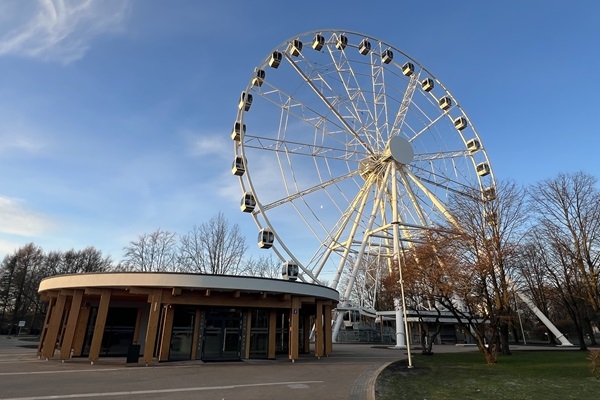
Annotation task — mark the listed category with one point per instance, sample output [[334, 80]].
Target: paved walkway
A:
[[349, 373]]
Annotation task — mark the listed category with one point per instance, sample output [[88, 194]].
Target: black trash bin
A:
[[133, 354]]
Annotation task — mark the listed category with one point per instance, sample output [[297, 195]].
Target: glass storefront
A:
[[118, 331], [259, 334], [221, 334]]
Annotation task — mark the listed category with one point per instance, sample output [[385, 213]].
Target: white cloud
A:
[[207, 145], [57, 30], [16, 219]]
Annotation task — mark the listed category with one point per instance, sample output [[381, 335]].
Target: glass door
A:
[[222, 333], [182, 334]]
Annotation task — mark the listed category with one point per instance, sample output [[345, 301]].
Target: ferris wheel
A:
[[347, 149]]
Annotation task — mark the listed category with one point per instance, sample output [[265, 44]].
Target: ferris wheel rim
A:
[[240, 150]]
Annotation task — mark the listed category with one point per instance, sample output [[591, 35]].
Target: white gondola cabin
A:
[[491, 218], [483, 169], [259, 77], [408, 68], [245, 101], [427, 84], [489, 193], [275, 59], [445, 103], [341, 43], [460, 123], [318, 42], [387, 56], [364, 47], [248, 202], [238, 130], [289, 271], [238, 168], [296, 47], [265, 238], [473, 145]]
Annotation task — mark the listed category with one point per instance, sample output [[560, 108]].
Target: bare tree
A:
[[468, 265], [214, 247], [264, 267], [568, 211], [152, 252]]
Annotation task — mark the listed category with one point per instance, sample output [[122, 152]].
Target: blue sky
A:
[[115, 115]]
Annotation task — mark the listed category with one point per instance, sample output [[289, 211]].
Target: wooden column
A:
[[167, 333], [67, 342], [248, 334], [294, 328], [328, 331], [319, 340], [79, 339], [272, 334], [99, 326], [196, 334], [49, 309], [153, 320], [54, 327]]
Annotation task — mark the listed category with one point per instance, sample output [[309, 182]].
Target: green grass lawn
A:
[[552, 374]]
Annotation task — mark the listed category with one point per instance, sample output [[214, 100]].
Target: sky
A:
[[115, 115]]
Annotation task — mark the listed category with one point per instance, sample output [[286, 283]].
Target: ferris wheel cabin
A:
[[245, 101], [248, 202], [408, 69], [460, 123], [341, 43], [238, 130], [265, 238], [259, 77], [445, 103], [483, 169], [364, 47], [296, 47], [289, 271], [427, 84], [387, 56], [275, 59], [238, 168], [473, 145], [489, 193], [318, 42]]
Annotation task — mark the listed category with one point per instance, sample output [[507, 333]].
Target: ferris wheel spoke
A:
[[356, 103], [444, 182], [431, 196], [417, 206], [301, 149], [404, 105], [331, 107], [428, 126], [355, 209], [308, 191]]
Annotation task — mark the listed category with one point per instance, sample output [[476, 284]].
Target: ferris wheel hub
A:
[[400, 150]]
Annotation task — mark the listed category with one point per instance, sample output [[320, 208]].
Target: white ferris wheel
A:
[[346, 150]]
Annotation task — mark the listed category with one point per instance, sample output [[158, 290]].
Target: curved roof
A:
[[185, 281]]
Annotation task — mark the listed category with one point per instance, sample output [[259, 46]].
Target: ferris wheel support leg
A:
[[538, 313], [336, 326], [400, 334]]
